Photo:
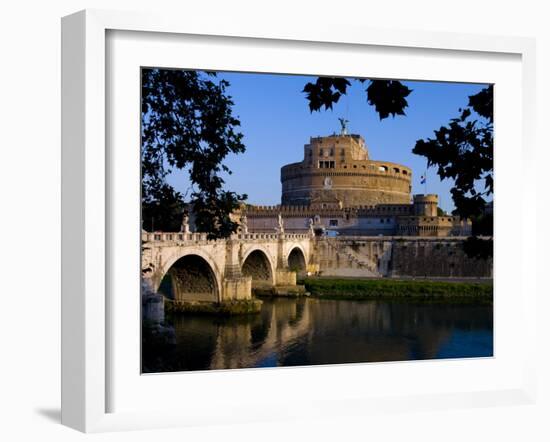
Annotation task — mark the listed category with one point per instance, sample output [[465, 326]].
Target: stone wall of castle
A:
[[387, 220]]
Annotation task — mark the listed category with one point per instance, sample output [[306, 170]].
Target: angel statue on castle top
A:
[[343, 126]]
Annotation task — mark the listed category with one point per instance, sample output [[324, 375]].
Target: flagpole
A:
[[426, 182], [426, 178]]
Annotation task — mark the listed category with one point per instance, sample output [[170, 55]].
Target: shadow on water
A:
[[306, 331]]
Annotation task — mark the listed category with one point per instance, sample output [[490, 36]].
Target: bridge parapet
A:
[[173, 236], [272, 236], [203, 237], [255, 236]]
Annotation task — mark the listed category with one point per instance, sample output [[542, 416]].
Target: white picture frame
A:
[[86, 351]]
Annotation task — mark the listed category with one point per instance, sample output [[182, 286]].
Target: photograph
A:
[[306, 220]]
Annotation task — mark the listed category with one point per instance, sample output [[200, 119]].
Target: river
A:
[[310, 331]]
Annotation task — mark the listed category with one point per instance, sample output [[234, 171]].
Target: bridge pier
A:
[[285, 277], [152, 304], [286, 284], [237, 289], [236, 286]]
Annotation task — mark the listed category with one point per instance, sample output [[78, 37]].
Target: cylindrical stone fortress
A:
[[338, 167]]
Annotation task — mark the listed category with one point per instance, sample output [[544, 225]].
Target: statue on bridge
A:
[[185, 224], [311, 228], [280, 228], [244, 224]]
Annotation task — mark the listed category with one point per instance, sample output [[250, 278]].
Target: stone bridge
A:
[[189, 267]]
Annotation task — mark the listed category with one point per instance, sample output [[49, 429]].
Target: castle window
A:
[[321, 152], [396, 170], [343, 152], [404, 172], [382, 220], [331, 152], [321, 164], [333, 222], [382, 168]]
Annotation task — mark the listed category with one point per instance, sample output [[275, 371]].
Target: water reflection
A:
[[309, 331]]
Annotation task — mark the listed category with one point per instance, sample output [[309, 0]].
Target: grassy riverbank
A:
[[400, 290]]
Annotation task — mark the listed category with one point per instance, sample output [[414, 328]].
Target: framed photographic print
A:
[[281, 222]]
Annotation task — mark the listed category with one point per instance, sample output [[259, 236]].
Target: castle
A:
[[338, 188]]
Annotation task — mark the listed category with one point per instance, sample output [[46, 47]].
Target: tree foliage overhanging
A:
[[187, 124], [463, 152], [389, 97]]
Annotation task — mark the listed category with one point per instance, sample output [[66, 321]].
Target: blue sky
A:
[[276, 123]]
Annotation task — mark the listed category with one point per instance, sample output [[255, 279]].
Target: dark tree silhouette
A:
[[187, 124], [387, 96], [463, 152]]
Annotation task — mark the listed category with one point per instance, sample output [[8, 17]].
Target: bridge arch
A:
[[258, 264], [296, 259], [190, 276]]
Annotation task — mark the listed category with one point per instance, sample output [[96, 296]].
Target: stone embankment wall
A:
[[343, 257], [437, 258], [398, 256]]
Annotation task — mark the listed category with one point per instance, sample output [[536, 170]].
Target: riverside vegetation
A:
[[400, 290]]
